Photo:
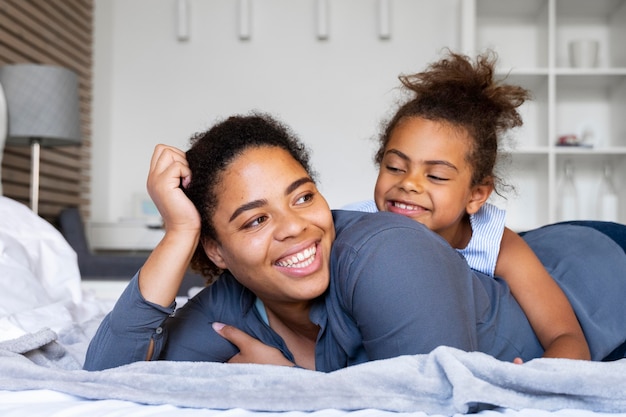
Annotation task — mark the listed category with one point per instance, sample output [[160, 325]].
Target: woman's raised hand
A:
[[168, 172], [164, 270]]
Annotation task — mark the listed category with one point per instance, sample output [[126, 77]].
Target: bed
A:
[[47, 319]]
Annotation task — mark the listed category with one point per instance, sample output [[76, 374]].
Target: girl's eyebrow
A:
[[396, 152], [406, 158], [442, 162], [262, 202]]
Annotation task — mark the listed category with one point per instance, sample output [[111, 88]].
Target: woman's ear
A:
[[479, 195], [214, 252]]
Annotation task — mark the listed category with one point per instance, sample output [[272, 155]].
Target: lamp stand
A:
[[34, 172]]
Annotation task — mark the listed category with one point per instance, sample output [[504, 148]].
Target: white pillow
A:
[[38, 268]]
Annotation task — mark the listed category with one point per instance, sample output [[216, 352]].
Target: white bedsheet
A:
[[40, 403]]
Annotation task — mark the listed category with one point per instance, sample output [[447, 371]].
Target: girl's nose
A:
[[412, 184]]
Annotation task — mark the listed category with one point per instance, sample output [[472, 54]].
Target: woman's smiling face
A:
[[275, 230]]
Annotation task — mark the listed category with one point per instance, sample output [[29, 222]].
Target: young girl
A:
[[436, 165]]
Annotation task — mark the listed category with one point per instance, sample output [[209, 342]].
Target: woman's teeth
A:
[[300, 259]]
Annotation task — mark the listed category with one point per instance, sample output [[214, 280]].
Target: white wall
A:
[[150, 88]]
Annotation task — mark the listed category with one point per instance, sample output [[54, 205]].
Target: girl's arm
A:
[[542, 300]]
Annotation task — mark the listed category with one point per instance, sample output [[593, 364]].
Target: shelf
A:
[[592, 103], [588, 176], [530, 78], [526, 202], [530, 151], [600, 20], [591, 72], [532, 40], [576, 80], [501, 24], [527, 9], [588, 9], [566, 150], [574, 150]]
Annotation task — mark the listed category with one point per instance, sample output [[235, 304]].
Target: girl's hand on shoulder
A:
[[251, 350], [169, 171]]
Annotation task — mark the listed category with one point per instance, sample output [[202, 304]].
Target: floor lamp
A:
[[43, 110]]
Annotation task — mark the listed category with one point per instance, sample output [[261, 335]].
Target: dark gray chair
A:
[[94, 266]]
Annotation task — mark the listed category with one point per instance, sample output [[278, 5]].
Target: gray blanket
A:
[[446, 381]]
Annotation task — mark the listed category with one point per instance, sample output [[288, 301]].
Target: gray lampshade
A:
[[42, 103]]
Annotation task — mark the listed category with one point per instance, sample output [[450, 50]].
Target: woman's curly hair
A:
[[465, 95], [210, 155]]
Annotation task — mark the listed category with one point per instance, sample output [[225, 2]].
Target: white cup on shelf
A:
[[583, 53]]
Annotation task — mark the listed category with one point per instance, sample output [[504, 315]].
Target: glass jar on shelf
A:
[[608, 201], [568, 196]]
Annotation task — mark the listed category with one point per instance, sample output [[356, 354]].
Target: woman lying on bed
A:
[[326, 288]]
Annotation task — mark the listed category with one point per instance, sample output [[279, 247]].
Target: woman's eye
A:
[[255, 222], [305, 198]]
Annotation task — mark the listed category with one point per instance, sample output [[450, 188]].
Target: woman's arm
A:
[[129, 332], [544, 303], [164, 270], [133, 330]]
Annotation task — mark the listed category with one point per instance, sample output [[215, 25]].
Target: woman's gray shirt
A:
[[396, 288]]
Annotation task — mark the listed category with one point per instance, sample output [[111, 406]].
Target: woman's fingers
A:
[[168, 169], [164, 153], [251, 350], [235, 336], [169, 162]]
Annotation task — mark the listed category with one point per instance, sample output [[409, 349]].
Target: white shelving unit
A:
[[532, 40]]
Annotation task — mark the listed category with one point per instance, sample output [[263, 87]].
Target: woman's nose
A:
[[289, 224]]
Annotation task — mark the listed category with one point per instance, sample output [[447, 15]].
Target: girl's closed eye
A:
[[438, 177], [394, 169], [441, 172]]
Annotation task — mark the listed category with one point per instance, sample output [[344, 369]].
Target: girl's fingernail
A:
[[217, 326]]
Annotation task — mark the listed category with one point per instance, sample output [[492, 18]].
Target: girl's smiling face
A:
[[425, 175], [275, 230]]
